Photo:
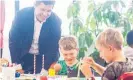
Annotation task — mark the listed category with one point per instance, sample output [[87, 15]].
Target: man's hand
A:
[[18, 68], [20, 71]]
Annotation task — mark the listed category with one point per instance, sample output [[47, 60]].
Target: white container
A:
[[8, 73]]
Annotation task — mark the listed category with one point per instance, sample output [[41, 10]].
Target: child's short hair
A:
[[110, 36], [68, 42], [130, 38]]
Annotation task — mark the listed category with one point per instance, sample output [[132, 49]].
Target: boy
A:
[[68, 47], [128, 50], [110, 43]]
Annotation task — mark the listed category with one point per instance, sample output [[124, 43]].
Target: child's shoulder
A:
[[63, 70], [62, 62], [116, 66]]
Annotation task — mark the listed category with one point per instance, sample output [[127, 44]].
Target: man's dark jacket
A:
[[21, 37]]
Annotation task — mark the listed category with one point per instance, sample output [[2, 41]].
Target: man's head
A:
[[43, 9], [109, 42], [69, 48], [130, 38]]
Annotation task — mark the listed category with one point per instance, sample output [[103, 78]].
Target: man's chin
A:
[[44, 20]]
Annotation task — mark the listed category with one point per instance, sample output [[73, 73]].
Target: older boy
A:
[[110, 43], [68, 47]]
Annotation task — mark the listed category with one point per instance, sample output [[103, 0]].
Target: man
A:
[[35, 32]]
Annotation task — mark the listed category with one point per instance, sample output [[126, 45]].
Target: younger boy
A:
[[68, 47], [110, 43]]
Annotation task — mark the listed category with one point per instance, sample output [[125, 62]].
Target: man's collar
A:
[[36, 20]]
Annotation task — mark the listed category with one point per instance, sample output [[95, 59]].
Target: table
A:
[[58, 77]]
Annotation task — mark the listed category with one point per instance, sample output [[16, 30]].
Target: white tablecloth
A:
[[30, 77]]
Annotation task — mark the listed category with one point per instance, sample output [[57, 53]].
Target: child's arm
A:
[[57, 67], [98, 68], [86, 70]]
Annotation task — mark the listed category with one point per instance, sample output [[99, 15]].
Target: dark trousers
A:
[[27, 62]]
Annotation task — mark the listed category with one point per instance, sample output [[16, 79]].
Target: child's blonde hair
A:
[[111, 37], [68, 42]]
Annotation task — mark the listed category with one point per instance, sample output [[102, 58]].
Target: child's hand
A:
[[89, 60], [57, 67], [86, 70]]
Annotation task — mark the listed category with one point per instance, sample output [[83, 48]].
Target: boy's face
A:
[[69, 55], [106, 53], [43, 11]]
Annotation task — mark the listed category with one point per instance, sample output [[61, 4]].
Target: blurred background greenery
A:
[[110, 13]]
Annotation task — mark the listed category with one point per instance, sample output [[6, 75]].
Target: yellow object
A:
[[51, 72]]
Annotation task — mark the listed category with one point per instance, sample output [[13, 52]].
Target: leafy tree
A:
[[101, 15]]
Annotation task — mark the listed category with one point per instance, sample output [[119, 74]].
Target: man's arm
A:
[[15, 40], [56, 26]]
